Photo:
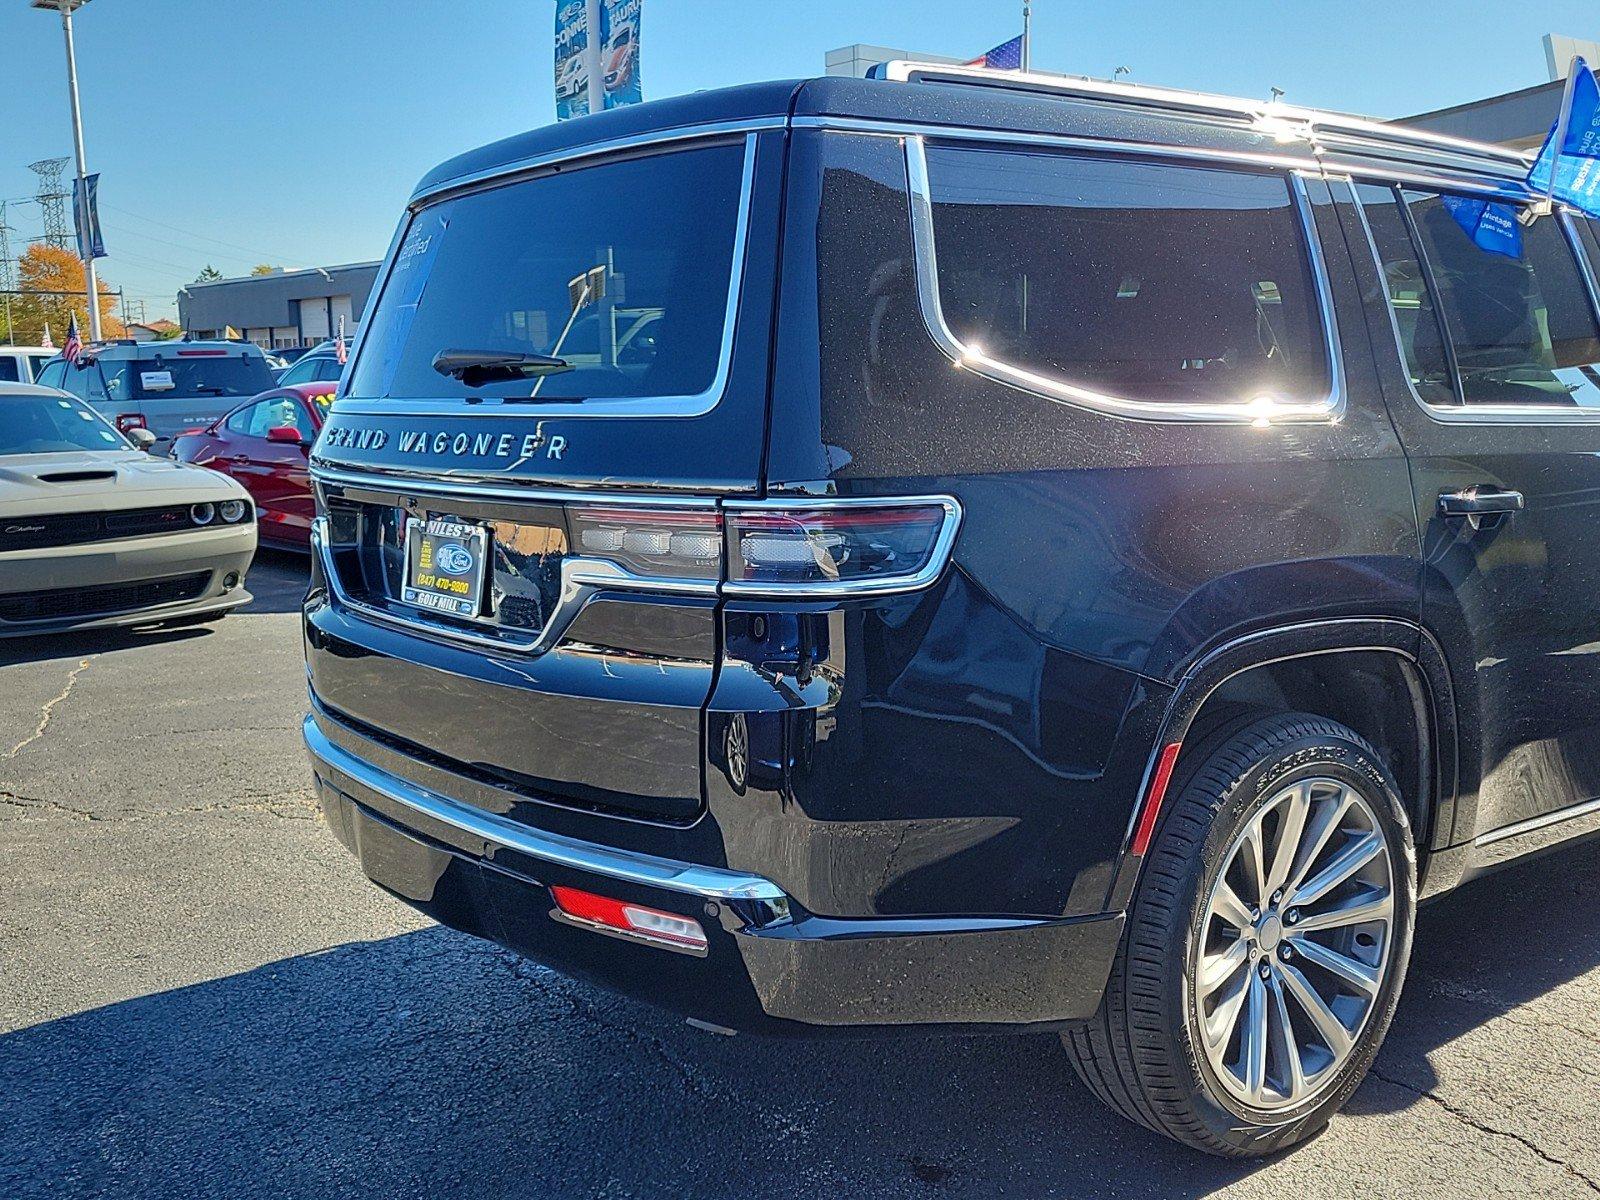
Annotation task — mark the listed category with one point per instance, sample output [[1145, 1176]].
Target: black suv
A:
[[970, 552]]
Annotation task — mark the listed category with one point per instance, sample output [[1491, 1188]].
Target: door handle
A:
[[1476, 503], [241, 459]]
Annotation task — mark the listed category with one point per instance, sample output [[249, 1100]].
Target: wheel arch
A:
[[1383, 677]]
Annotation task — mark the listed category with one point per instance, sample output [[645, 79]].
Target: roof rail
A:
[[1198, 103]]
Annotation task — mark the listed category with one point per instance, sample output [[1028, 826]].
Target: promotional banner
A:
[[597, 56], [86, 216], [1570, 170], [619, 53]]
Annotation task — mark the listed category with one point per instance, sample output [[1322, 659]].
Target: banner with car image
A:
[[597, 56], [619, 52]]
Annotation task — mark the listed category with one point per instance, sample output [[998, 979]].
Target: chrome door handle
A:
[[1476, 503]]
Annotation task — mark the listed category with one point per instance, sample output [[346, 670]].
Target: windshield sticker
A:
[[156, 381]]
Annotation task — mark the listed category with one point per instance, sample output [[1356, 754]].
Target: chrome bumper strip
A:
[[714, 883]]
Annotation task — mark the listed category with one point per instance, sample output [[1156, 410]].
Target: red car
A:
[[264, 444]]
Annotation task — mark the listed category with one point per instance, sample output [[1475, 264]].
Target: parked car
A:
[[95, 532], [165, 387], [320, 364], [264, 445], [1140, 548], [21, 364]]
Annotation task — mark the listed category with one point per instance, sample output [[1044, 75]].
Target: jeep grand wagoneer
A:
[[970, 552]]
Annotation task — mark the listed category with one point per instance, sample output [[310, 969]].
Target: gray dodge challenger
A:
[[96, 532]]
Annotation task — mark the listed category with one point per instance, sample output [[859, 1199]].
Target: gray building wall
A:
[[285, 308], [1518, 120]]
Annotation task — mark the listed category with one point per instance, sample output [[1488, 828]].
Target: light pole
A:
[[91, 283]]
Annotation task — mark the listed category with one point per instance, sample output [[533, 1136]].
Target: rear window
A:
[[52, 425], [623, 271], [177, 374], [1128, 279]]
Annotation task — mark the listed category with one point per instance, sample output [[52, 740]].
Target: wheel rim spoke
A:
[[1334, 1034], [1358, 975], [1370, 906], [1227, 905], [1253, 1046], [1343, 865], [1288, 1045], [1220, 1024], [1217, 969], [1293, 810], [1294, 943]]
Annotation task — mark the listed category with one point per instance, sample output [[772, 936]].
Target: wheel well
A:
[[1378, 694]]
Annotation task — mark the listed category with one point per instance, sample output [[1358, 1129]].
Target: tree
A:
[[263, 269], [55, 276], [207, 274]]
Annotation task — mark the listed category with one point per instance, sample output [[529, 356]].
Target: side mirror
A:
[[286, 433], [141, 438]]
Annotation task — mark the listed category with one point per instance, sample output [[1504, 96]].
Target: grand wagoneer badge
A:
[[440, 443]]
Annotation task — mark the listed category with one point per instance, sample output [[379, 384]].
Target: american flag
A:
[[1007, 56], [72, 349], [339, 352], [47, 343]]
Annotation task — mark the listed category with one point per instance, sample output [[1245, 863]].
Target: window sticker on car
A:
[[156, 381]]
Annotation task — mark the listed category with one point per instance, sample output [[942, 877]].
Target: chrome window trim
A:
[[1202, 103], [1462, 413], [641, 407], [1324, 410], [943, 545], [629, 866]]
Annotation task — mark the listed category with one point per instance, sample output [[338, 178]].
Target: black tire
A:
[[1140, 1053]]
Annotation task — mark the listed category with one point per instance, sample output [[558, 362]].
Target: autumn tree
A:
[[55, 277], [263, 269]]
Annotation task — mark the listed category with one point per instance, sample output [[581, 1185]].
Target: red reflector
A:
[[1153, 798], [649, 923], [127, 421]]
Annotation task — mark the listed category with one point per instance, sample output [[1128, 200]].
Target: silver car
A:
[[95, 532]]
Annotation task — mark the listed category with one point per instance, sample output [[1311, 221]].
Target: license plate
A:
[[446, 564]]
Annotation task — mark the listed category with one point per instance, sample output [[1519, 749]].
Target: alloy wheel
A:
[[1294, 944]]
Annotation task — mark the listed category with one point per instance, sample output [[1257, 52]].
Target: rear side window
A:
[[578, 266], [9, 372], [51, 374], [1522, 326], [1128, 279]]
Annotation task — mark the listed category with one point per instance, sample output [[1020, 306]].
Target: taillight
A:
[[770, 548], [848, 547], [650, 924], [127, 421], [672, 544]]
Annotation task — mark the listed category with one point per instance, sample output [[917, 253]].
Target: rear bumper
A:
[[769, 966]]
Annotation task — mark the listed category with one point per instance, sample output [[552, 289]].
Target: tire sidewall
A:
[[1327, 752]]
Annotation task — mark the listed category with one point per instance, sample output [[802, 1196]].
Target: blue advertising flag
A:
[[86, 216], [572, 59], [1571, 171], [1492, 226], [619, 52]]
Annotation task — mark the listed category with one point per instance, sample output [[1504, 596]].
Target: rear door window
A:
[[1128, 279], [1521, 322], [622, 271]]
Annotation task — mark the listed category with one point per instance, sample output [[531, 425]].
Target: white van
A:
[[22, 364]]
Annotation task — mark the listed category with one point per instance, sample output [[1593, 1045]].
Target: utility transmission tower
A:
[[52, 199], [8, 279]]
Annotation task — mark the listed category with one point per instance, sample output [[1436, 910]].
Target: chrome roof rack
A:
[[1178, 100]]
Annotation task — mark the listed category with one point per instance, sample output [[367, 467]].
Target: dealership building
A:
[[282, 308]]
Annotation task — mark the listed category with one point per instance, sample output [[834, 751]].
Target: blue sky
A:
[[290, 131]]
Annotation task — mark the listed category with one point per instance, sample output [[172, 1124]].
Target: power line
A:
[[253, 252]]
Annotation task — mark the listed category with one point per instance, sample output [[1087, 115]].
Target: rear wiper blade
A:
[[473, 367]]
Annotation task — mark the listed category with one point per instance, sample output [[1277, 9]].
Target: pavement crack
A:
[[39, 803], [49, 709], [1469, 1120], [285, 806]]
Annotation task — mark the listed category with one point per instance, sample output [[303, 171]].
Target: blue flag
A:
[[1493, 227], [86, 216], [1576, 162]]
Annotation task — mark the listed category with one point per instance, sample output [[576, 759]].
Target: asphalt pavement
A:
[[200, 996]]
